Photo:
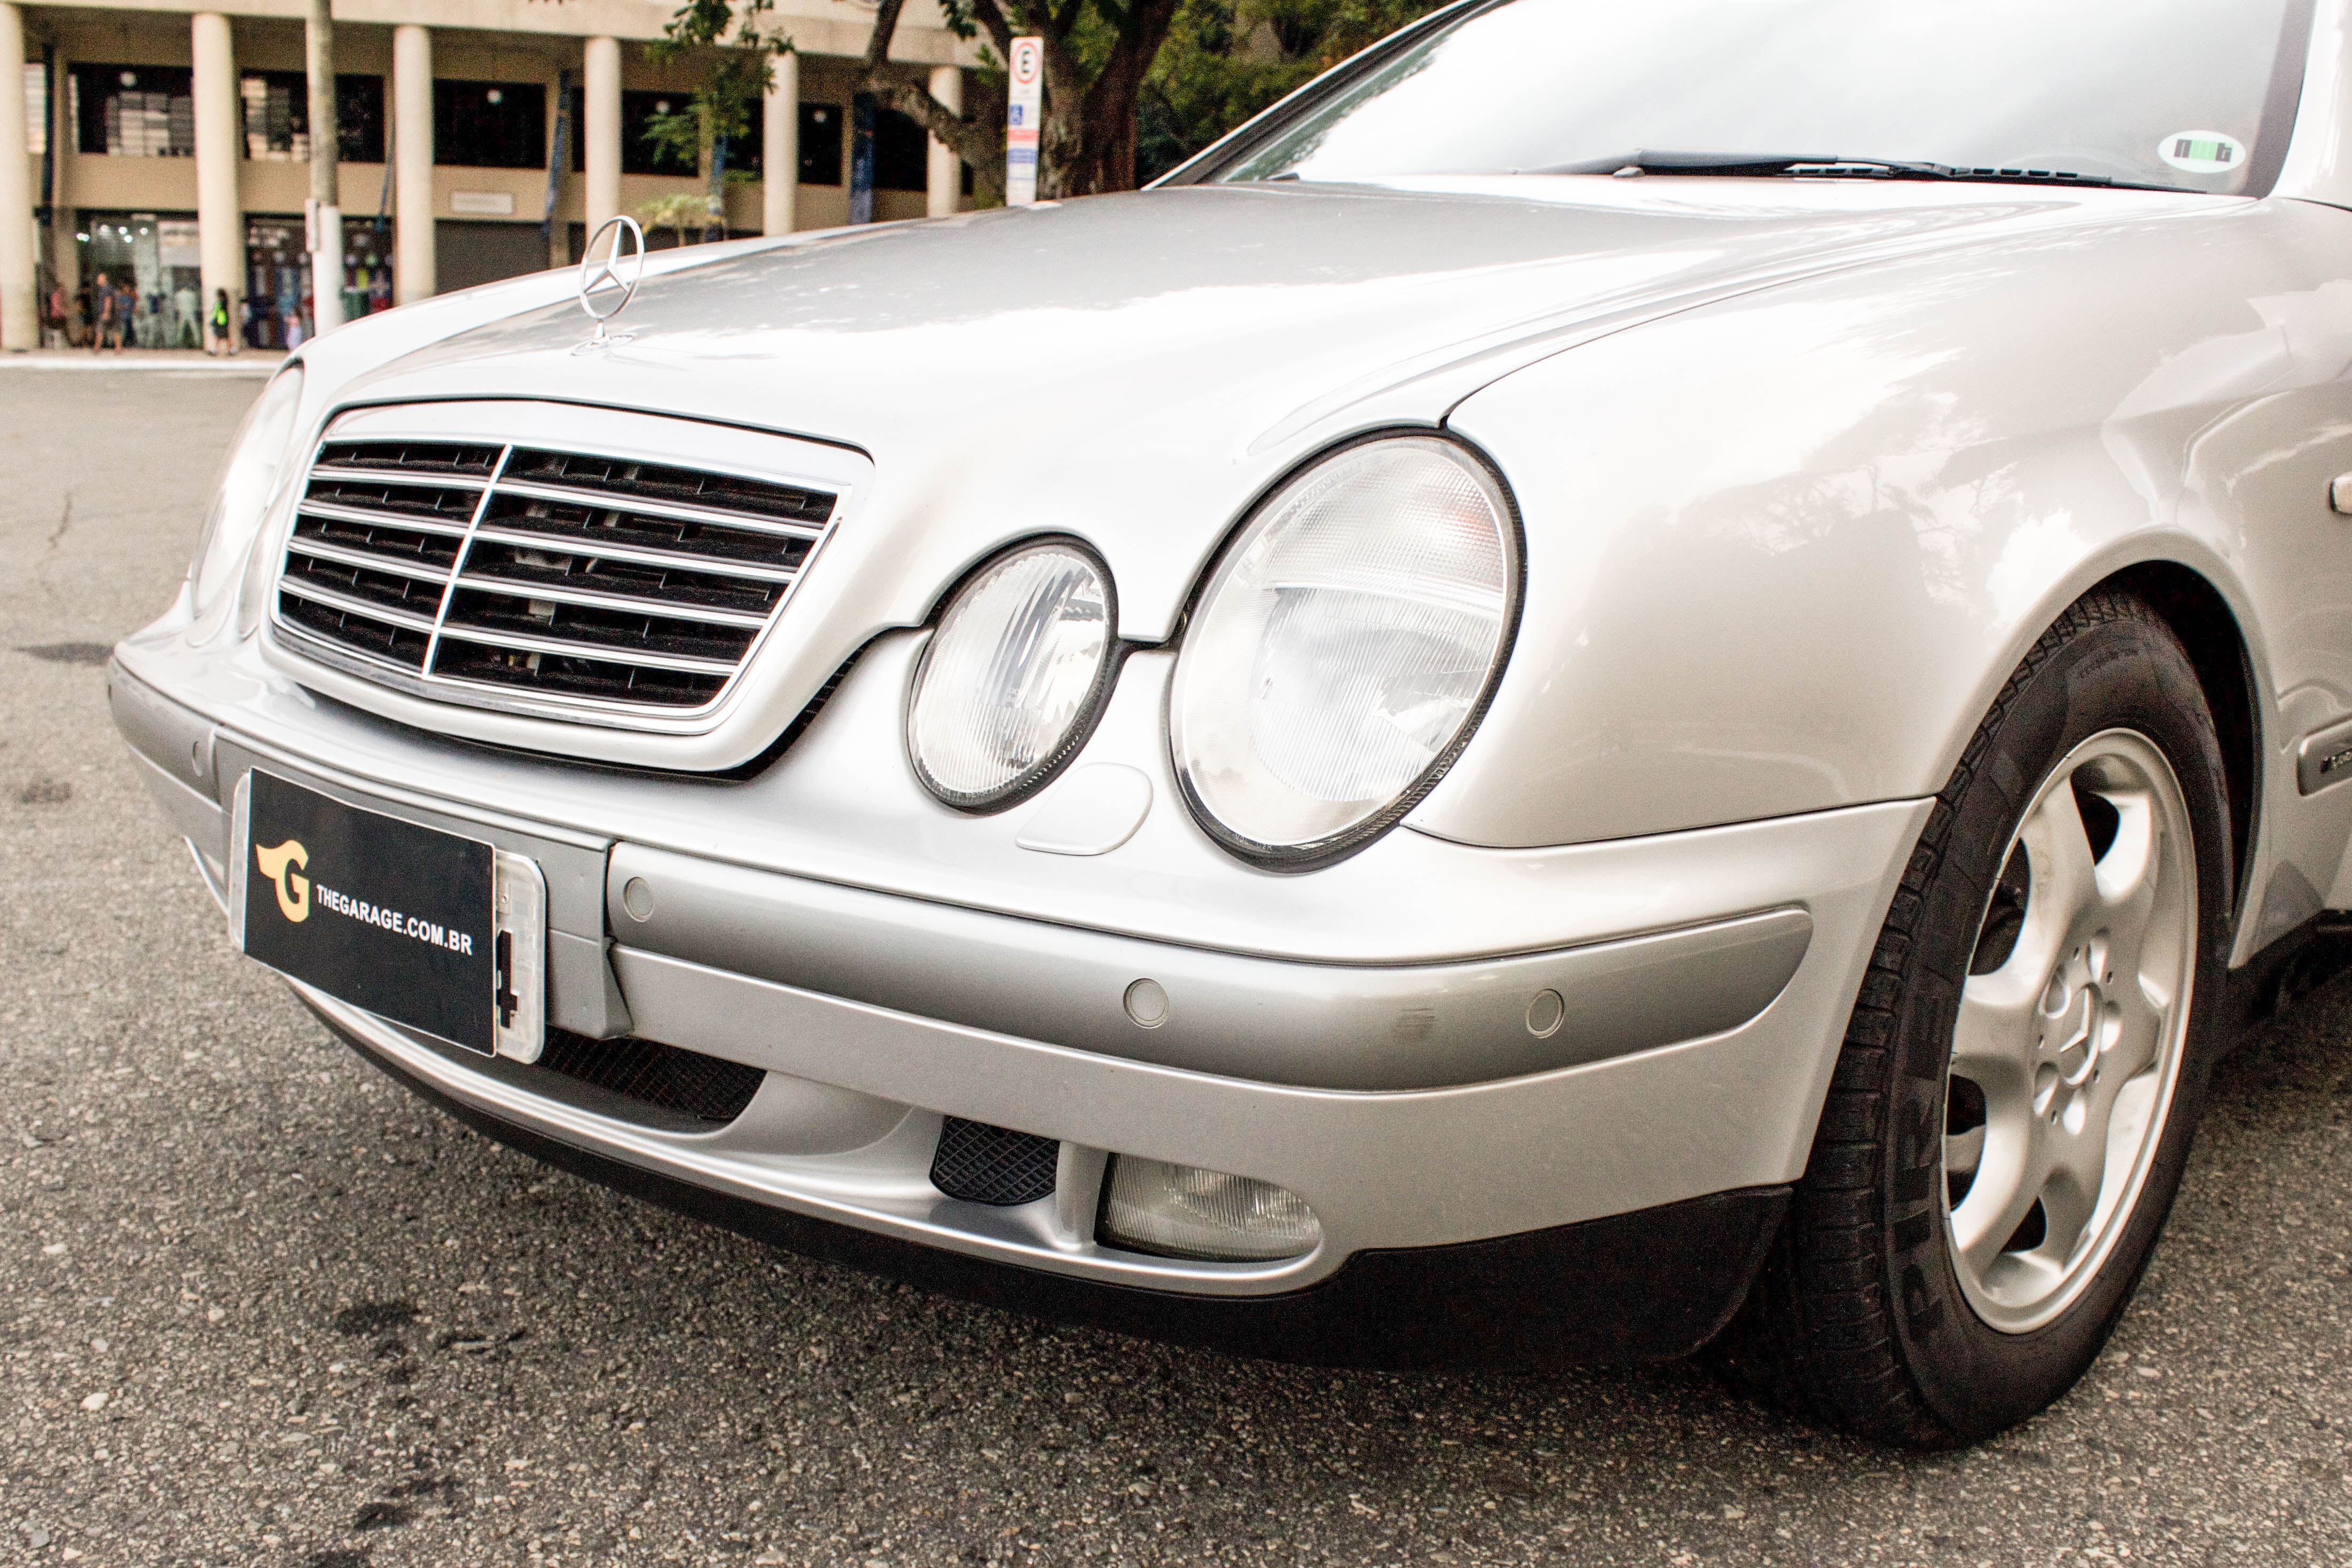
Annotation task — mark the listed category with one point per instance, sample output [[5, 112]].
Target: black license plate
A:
[[378, 912]]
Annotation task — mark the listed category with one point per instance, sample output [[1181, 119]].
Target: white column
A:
[[945, 183], [220, 219], [20, 321], [780, 145], [412, 162], [326, 255], [65, 252], [600, 130]]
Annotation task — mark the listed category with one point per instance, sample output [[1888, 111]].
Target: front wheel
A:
[[2014, 1099]]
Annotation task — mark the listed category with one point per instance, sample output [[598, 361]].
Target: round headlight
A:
[[256, 459], [1344, 647], [1011, 681]]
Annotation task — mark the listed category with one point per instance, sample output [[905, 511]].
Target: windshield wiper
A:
[[1762, 165]]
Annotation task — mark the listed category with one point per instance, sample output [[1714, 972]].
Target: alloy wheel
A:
[[2070, 1033]]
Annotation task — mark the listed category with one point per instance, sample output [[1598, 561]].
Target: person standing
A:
[[56, 317], [102, 306], [217, 340], [127, 314]]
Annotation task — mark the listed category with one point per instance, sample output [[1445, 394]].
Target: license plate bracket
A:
[[437, 930]]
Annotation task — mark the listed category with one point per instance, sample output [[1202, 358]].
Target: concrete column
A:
[[946, 178], [412, 162], [65, 251], [20, 319], [600, 129], [779, 148], [220, 218]]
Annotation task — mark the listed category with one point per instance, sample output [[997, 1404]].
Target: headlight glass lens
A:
[[1343, 647], [1013, 676], [256, 459]]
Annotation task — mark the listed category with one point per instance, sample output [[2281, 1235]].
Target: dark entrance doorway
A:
[[465, 254]]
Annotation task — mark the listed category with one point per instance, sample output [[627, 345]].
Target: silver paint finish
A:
[[1805, 466], [1287, 316], [1325, 1026], [842, 806], [1417, 1168]]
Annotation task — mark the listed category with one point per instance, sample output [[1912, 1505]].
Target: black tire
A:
[[1858, 1320]]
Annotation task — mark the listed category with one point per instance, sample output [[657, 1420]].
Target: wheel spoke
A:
[[2078, 1169], [2125, 875], [2129, 1044], [2065, 873], [1992, 1038], [2007, 1182]]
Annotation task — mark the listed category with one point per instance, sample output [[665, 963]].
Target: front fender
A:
[[1783, 551]]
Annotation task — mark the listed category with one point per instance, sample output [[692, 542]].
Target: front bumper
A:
[[1358, 1036]]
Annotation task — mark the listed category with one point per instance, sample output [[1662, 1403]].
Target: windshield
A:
[[2196, 95]]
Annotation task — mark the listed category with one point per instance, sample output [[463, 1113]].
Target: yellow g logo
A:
[[293, 889]]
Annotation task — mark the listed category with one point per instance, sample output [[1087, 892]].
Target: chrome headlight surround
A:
[[1014, 676], [260, 458], [1326, 682]]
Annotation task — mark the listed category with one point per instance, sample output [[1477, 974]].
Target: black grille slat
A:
[[621, 631], [618, 525], [412, 456], [387, 540], [994, 1165], [391, 589], [708, 1089], [613, 681], [398, 644], [558, 568], [655, 481], [392, 501], [658, 579]]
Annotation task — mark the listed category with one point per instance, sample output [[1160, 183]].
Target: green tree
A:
[[1097, 53], [719, 112], [1225, 60]]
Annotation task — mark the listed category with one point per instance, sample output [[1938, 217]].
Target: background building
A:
[[480, 139]]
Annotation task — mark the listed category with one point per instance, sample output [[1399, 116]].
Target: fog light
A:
[[1182, 1211]]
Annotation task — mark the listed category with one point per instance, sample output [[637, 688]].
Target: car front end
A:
[[939, 745]]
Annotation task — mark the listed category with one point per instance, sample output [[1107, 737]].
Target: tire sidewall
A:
[[2125, 673]]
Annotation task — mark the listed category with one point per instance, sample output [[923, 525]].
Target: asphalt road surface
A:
[[257, 1305]]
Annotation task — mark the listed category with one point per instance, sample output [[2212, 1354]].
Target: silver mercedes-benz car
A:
[[1628, 677]]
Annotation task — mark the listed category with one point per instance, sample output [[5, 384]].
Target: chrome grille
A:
[[564, 577]]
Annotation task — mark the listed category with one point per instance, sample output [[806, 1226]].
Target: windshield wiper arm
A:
[[1765, 165]]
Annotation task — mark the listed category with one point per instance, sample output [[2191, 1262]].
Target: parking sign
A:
[[1022, 110]]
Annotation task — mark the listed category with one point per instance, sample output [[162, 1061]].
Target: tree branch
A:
[[1000, 29], [886, 23]]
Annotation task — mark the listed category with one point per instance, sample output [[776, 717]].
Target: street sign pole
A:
[[1026, 101], [324, 209]]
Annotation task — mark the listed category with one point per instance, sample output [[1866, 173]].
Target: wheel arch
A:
[[2209, 630]]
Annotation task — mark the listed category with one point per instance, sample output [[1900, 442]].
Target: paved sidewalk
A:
[[251, 362]]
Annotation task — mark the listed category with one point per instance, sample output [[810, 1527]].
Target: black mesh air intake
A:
[[985, 1164], [679, 1080]]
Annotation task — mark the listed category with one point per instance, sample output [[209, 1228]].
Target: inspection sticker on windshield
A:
[[2201, 151]]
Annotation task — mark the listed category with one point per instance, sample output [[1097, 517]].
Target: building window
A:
[[134, 111], [276, 107], [902, 153], [640, 154], [747, 153], [489, 124], [821, 143]]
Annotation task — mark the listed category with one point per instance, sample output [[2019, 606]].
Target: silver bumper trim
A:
[[1349, 1026]]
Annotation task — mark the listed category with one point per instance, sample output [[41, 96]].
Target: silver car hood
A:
[[1135, 369]]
